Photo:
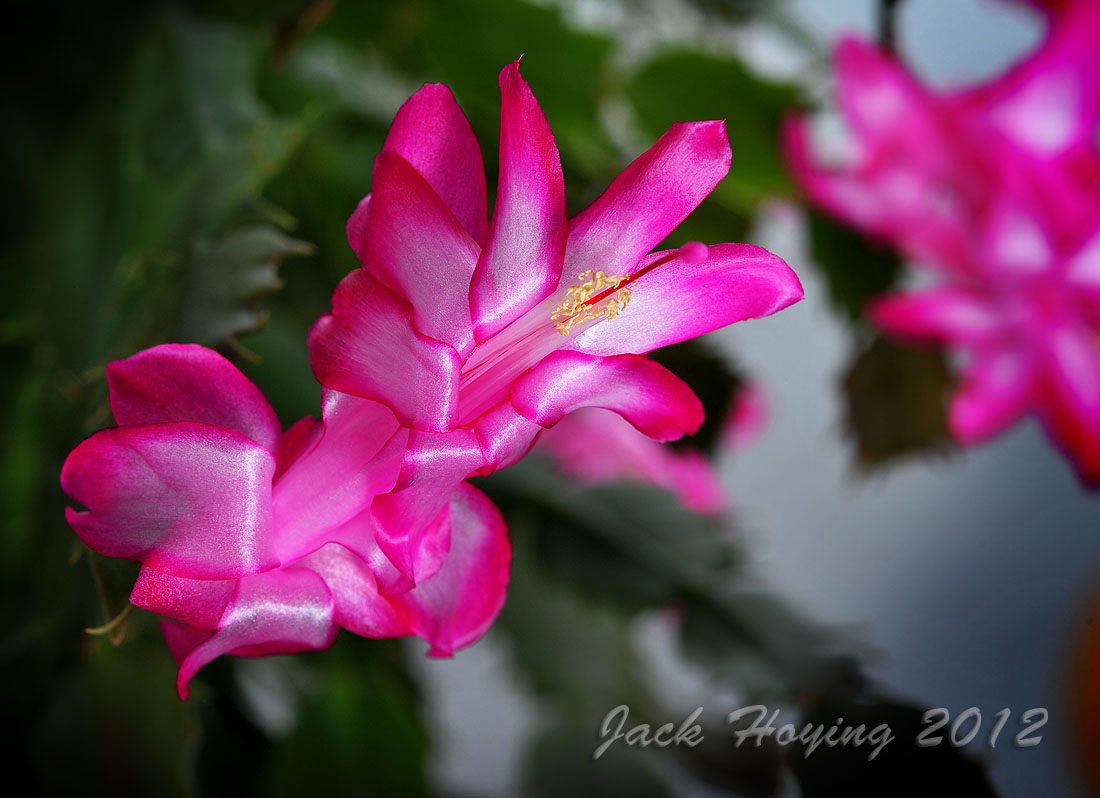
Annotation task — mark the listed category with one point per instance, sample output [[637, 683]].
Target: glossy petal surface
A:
[[188, 499]]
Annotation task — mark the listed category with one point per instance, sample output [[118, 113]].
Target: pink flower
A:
[[257, 541], [595, 445], [920, 162], [995, 187], [746, 418], [899, 178], [1027, 325], [480, 336]]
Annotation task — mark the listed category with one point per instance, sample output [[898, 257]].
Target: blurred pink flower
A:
[[1027, 324], [257, 541], [996, 188], [479, 336], [746, 418], [923, 166], [596, 445]]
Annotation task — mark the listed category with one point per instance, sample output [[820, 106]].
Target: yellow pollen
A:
[[576, 308]]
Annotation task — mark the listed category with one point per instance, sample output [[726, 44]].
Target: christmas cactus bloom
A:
[[1026, 324], [594, 445], [478, 336], [917, 161], [994, 188], [257, 541]]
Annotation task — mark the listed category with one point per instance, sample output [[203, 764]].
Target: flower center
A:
[[490, 370], [582, 301]]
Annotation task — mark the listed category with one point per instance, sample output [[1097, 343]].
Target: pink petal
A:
[[185, 382], [896, 198], [505, 436], [455, 607], [842, 193], [1083, 268], [182, 640], [279, 612], [746, 418], [359, 536], [357, 228], [407, 524], [596, 445], [431, 133], [649, 199], [196, 602], [1050, 103], [1071, 409], [677, 300], [417, 247], [1015, 240], [877, 97], [368, 347], [946, 315], [522, 261], [359, 607], [996, 390], [641, 390], [358, 457], [188, 499], [298, 441], [693, 478]]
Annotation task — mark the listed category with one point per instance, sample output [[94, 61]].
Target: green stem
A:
[[887, 24]]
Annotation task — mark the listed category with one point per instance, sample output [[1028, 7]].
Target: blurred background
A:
[[184, 172]]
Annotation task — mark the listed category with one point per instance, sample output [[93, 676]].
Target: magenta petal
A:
[[522, 261], [359, 456], [417, 247], [182, 640], [457, 605], [997, 388], [407, 524], [431, 133], [188, 499], [298, 441], [1050, 103], [1072, 398], [279, 612], [945, 315], [196, 602], [678, 300], [359, 606], [1083, 269], [368, 347], [185, 382], [359, 536], [846, 195], [1015, 241], [642, 391], [745, 419], [877, 96], [505, 436], [596, 445], [649, 199], [357, 228]]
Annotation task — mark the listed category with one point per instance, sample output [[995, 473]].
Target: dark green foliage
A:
[[896, 399]]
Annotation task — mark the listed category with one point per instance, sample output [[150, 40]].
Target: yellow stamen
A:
[[576, 307]]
